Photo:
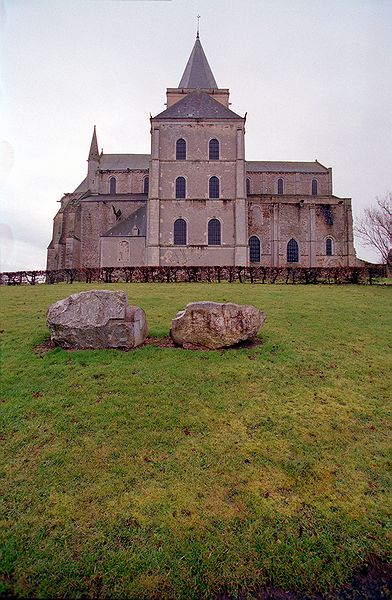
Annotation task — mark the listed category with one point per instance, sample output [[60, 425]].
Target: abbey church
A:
[[196, 200]]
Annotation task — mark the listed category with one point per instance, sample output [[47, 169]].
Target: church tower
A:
[[196, 212]]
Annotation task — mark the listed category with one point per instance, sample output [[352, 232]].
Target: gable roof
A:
[[273, 166], [124, 161], [197, 72], [197, 105]]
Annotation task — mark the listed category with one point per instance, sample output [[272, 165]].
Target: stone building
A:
[[195, 200]]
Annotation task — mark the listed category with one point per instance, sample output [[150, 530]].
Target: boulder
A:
[[96, 319], [216, 325]]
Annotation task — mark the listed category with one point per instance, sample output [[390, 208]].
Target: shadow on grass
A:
[[165, 342]]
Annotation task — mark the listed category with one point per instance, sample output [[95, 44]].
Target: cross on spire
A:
[[198, 26]]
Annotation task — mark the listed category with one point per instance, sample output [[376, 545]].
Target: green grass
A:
[[168, 473]]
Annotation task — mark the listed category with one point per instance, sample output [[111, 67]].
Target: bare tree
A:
[[374, 228]]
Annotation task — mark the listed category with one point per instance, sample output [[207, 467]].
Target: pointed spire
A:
[[94, 152], [197, 72]]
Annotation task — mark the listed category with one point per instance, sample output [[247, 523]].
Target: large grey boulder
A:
[[96, 319], [215, 325]]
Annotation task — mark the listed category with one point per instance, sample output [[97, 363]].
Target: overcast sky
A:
[[314, 77]]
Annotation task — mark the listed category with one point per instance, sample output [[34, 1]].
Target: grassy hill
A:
[[168, 473]]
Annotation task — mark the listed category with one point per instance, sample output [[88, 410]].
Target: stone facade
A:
[[196, 182]]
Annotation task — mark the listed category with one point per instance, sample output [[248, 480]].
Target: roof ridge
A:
[[198, 104]]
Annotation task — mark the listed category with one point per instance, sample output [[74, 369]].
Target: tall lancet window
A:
[[214, 232], [314, 187], [213, 150], [292, 251], [213, 186], [247, 186], [181, 149], [180, 187], [112, 185], [328, 247], [146, 183], [280, 186]]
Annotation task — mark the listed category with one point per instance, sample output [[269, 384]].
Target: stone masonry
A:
[[129, 211]]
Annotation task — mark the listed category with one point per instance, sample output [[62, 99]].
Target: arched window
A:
[[328, 247], [146, 183], [181, 149], [292, 251], [179, 232], [180, 187], [254, 249], [112, 185], [247, 186], [314, 187], [213, 150], [280, 186], [214, 232], [213, 188]]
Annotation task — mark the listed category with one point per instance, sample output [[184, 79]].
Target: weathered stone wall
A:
[[197, 213], [173, 95], [124, 251], [96, 219], [276, 220], [196, 208], [293, 183], [197, 256], [197, 168], [128, 182]]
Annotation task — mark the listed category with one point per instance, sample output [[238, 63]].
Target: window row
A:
[[113, 185], [214, 239], [213, 149], [293, 250], [213, 187], [180, 232], [280, 186], [214, 184]]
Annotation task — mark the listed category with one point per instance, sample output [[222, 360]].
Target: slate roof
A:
[[124, 161], [271, 166], [82, 187], [115, 198], [124, 228], [197, 105], [197, 72]]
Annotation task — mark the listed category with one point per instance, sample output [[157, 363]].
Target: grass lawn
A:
[[169, 473]]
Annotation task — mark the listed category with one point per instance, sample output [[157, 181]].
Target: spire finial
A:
[[94, 152], [198, 26]]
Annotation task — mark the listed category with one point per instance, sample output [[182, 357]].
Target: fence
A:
[[287, 275]]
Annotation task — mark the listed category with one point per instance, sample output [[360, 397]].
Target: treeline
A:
[[287, 275]]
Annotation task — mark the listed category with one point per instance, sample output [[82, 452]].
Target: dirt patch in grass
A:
[[164, 342], [44, 347], [371, 582]]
